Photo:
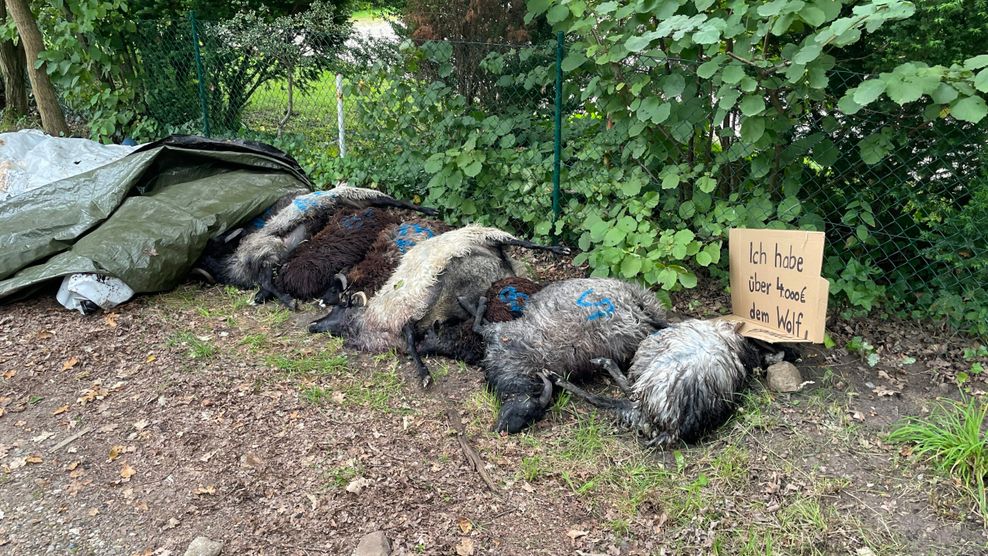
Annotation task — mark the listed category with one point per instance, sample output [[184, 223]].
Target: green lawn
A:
[[368, 15], [313, 113]]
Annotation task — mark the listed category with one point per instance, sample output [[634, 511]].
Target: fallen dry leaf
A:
[[10, 374], [111, 320], [72, 466], [147, 552], [357, 485], [464, 548], [60, 409], [33, 458], [857, 416], [142, 424], [151, 358], [45, 435], [92, 512], [574, 534], [883, 391], [115, 452], [172, 523], [337, 397], [206, 490], [97, 392], [127, 471], [72, 362], [465, 525]]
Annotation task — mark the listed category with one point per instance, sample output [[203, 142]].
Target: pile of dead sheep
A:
[[395, 277]]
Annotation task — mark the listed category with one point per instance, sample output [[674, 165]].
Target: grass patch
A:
[[341, 476], [315, 395], [370, 14], [197, 348], [376, 392], [586, 441], [952, 439], [255, 342], [322, 362]]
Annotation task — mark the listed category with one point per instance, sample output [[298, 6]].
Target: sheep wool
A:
[[686, 380], [285, 230], [564, 327], [385, 253], [311, 267], [406, 295]]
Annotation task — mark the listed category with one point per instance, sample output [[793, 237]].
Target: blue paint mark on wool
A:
[[604, 306], [307, 202], [404, 243], [356, 220], [259, 221], [514, 299]]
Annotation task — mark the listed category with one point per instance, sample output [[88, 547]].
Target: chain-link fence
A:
[[905, 211]]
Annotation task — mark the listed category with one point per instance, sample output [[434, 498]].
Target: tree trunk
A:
[[52, 118], [12, 69]]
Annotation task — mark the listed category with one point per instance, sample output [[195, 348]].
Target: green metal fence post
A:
[[201, 74], [558, 138]]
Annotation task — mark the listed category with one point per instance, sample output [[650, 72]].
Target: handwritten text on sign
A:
[[776, 288]]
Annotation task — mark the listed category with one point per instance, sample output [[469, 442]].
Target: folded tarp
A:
[[143, 218]]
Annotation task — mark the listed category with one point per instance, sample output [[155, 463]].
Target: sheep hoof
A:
[[560, 250], [426, 382]]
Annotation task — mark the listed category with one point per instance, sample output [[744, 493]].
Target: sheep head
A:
[[521, 410]]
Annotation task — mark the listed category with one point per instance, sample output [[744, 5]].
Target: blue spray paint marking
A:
[[514, 299], [356, 220], [604, 306], [401, 237], [308, 201], [258, 222]]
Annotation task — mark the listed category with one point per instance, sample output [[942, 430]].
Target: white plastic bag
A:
[[88, 292]]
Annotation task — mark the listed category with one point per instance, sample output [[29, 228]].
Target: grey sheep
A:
[[685, 381], [425, 289], [566, 325]]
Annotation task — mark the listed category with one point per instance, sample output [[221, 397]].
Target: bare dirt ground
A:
[[194, 413]]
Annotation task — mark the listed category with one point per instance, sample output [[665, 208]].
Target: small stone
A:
[[784, 377], [373, 544], [202, 546]]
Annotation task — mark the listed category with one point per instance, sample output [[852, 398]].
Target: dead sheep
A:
[[566, 325], [213, 264], [424, 291], [260, 253], [382, 257], [508, 298], [310, 270], [685, 381]]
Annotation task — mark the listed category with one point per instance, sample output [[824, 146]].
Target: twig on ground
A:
[[71, 439], [472, 456]]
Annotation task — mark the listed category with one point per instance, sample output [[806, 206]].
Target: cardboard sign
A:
[[776, 288]]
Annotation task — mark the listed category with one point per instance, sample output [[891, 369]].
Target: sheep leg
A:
[[477, 311], [601, 402], [268, 289], [611, 367], [423, 371], [557, 249]]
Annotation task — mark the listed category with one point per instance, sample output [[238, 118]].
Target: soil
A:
[[193, 413]]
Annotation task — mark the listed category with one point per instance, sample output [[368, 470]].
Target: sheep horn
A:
[[361, 296], [546, 396], [341, 278]]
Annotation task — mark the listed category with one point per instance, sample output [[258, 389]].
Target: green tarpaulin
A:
[[144, 218]]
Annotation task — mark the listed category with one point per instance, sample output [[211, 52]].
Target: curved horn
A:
[[341, 278], [359, 299], [546, 396]]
